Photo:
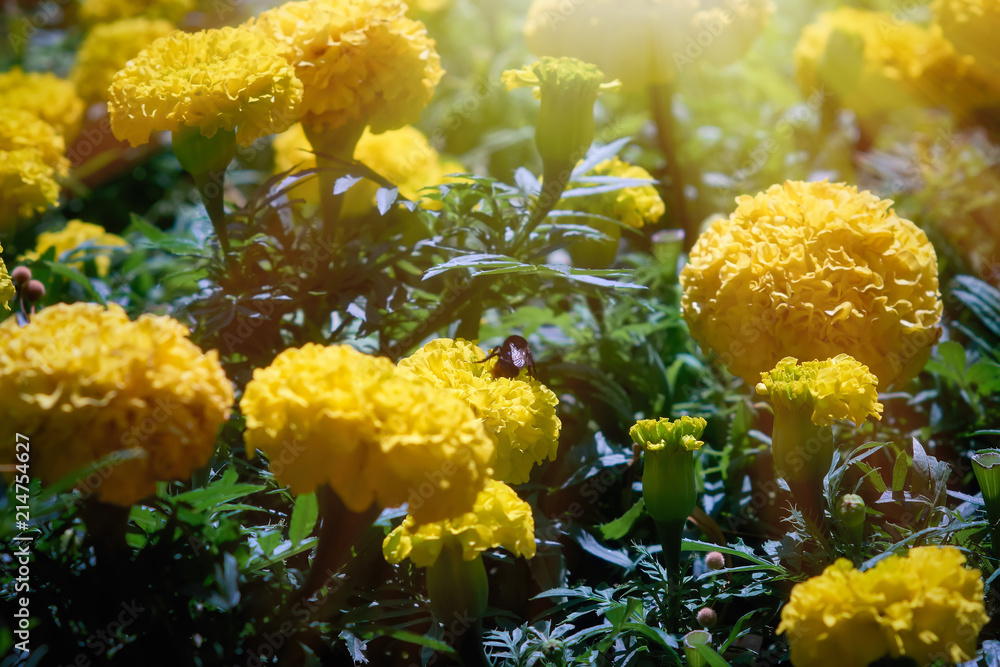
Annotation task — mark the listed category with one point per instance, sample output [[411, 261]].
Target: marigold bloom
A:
[[518, 414], [31, 161], [44, 95], [873, 62], [74, 235], [103, 11], [645, 42], [7, 292], [225, 79], [404, 157], [83, 381], [812, 270], [838, 388], [107, 48], [636, 206], [924, 605], [360, 60], [499, 519], [332, 415]]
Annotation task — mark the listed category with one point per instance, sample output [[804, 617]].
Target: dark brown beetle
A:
[[512, 355]]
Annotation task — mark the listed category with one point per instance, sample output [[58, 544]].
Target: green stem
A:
[[210, 188], [555, 178], [334, 150], [671, 534], [661, 96]]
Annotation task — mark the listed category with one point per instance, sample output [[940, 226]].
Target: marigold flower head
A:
[[924, 605], [872, 62], [31, 162], [7, 291], [44, 95], [813, 270], [83, 382], [74, 235], [104, 11], [636, 206], [499, 519], [838, 388], [663, 434], [107, 48], [360, 60], [518, 414], [404, 157], [225, 79], [332, 415], [645, 42]]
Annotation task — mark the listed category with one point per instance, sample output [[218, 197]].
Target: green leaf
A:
[[216, 494], [420, 640], [954, 355], [304, 516], [620, 527], [75, 276], [711, 656], [899, 470], [737, 630], [873, 476], [695, 545]]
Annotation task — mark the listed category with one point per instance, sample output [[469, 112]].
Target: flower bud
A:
[[707, 618], [986, 466], [34, 290], [715, 560], [21, 275], [851, 511]]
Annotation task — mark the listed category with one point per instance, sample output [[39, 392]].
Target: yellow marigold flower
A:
[[404, 157], [499, 519], [663, 434], [104, 11], [360, 60], [872, 62], [74, 235], [107, 48], [812, 270], [83, 381], [645, 42], [44, 95], [838, 388], [7, 291], [31, 161], [332, 415], [225, 79], [636, 206], [924, 606], [971, 26], [519, 414]]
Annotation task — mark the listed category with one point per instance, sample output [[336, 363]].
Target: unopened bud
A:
[[707, 618], [21, 275], [34, 290], [851, 510], [715, 560]]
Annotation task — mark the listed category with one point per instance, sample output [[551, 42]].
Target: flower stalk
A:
[[986, 466], [334, 153], [206, 159]]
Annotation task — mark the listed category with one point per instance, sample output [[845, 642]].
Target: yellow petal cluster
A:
[[645, 42], [332, 415], [518, 414], [76, 234], [839, 388], [925, 606], [7, 292], [45, 96], [873, 62], [225, 79], [636, 206], [499, 519], [404, 157], [31, 162], [83, 382], [104, 11], [107, 48], [360, 60], [813, 270], [663, 434]]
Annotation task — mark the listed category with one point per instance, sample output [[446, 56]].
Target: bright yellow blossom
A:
[[83, 382], [838, 388], [44, 95], [7, 292], [519, 414], [813, 270], [499, 519], [924, 606], [31, 163], [225, 79]]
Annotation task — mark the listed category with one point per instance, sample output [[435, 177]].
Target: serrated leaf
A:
[[304, 516], [590, 544]]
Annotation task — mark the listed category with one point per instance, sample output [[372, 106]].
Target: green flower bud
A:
[[199, 154], [851, 512], [986, 466]]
